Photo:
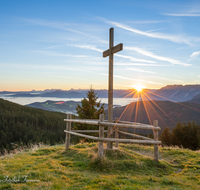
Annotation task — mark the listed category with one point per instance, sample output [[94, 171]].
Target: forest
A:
[[183, 135], [23, 126]]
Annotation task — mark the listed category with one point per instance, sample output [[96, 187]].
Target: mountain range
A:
[[176, 93]]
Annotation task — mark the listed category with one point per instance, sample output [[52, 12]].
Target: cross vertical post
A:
[[112, 49]]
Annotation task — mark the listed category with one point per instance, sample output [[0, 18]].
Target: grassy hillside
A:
[[130, 167]]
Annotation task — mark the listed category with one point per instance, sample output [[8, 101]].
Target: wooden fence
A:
[[116, 125]]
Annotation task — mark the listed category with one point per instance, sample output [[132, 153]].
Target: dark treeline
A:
[[183, 135], [22, 126]]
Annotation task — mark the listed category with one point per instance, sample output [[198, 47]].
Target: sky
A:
[[59, 44]]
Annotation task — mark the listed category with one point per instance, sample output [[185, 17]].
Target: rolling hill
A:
[[167, 113]]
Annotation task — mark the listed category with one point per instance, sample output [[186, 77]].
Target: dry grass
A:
[[130, 167]]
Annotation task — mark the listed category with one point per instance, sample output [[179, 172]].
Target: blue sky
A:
[[58, 44]]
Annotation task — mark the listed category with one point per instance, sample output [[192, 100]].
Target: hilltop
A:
[[129, 167]]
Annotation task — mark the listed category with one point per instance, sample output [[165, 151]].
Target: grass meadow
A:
[[129, 167]]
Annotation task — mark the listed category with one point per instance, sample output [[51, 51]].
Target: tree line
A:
[[183, 135]]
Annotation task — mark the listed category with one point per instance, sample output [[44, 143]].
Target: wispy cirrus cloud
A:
[[126, 78], [139, 70], [62, 26], [183, 14], [118, 55], [173, 38], [156, 29], [134, 59], [195, 54], [142, 64], [88, 47], [147, 21], [152, 55]]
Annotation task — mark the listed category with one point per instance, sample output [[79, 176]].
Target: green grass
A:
[[129, 167]]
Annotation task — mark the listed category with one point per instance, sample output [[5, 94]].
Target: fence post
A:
[[101, 135], [116, 133], [155, 132], [68, 128]]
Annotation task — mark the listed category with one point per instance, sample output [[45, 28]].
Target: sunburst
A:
[[138, 87]]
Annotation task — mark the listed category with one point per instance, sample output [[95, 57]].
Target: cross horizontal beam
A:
[[115, 49]]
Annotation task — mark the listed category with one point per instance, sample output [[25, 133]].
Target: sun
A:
[[138, 87]]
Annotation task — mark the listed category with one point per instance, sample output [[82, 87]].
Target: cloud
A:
[[134, 59], [184, 14], [150, 54], [88, 47], [176, 39], [156, 29], [126, 78], [142, 64], [123, 56], [195, 54], [62, 26], [147, 21], [139, 70]]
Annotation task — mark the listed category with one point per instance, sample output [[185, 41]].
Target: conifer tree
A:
[[90, 108], [166, 137]]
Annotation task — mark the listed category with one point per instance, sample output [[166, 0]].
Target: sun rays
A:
[[146, 108]]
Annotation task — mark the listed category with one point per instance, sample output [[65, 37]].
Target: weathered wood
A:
[[115, 49], [116, 133], [110, 87], [156, 151], [136, 136], [115, 140], [141, 126], [110, 53], [135, 123], [83, 121], [68, 128], [88, 131], [101, 135]]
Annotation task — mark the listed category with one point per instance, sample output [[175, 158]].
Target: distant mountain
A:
[[58, 106], [195, 99], [177, 93], [62, 94]]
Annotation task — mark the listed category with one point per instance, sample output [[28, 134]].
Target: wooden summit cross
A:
[[110, 53]]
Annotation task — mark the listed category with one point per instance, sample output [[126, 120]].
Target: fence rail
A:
[[116, 125]]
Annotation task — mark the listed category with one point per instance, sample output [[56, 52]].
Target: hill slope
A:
[[167, 113], [126, 168], [62, 106], [25, 125]]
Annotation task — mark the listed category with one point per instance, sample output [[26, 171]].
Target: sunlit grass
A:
[[130, 167]]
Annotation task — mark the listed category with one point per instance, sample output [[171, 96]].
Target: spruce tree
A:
[[90, 108]]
